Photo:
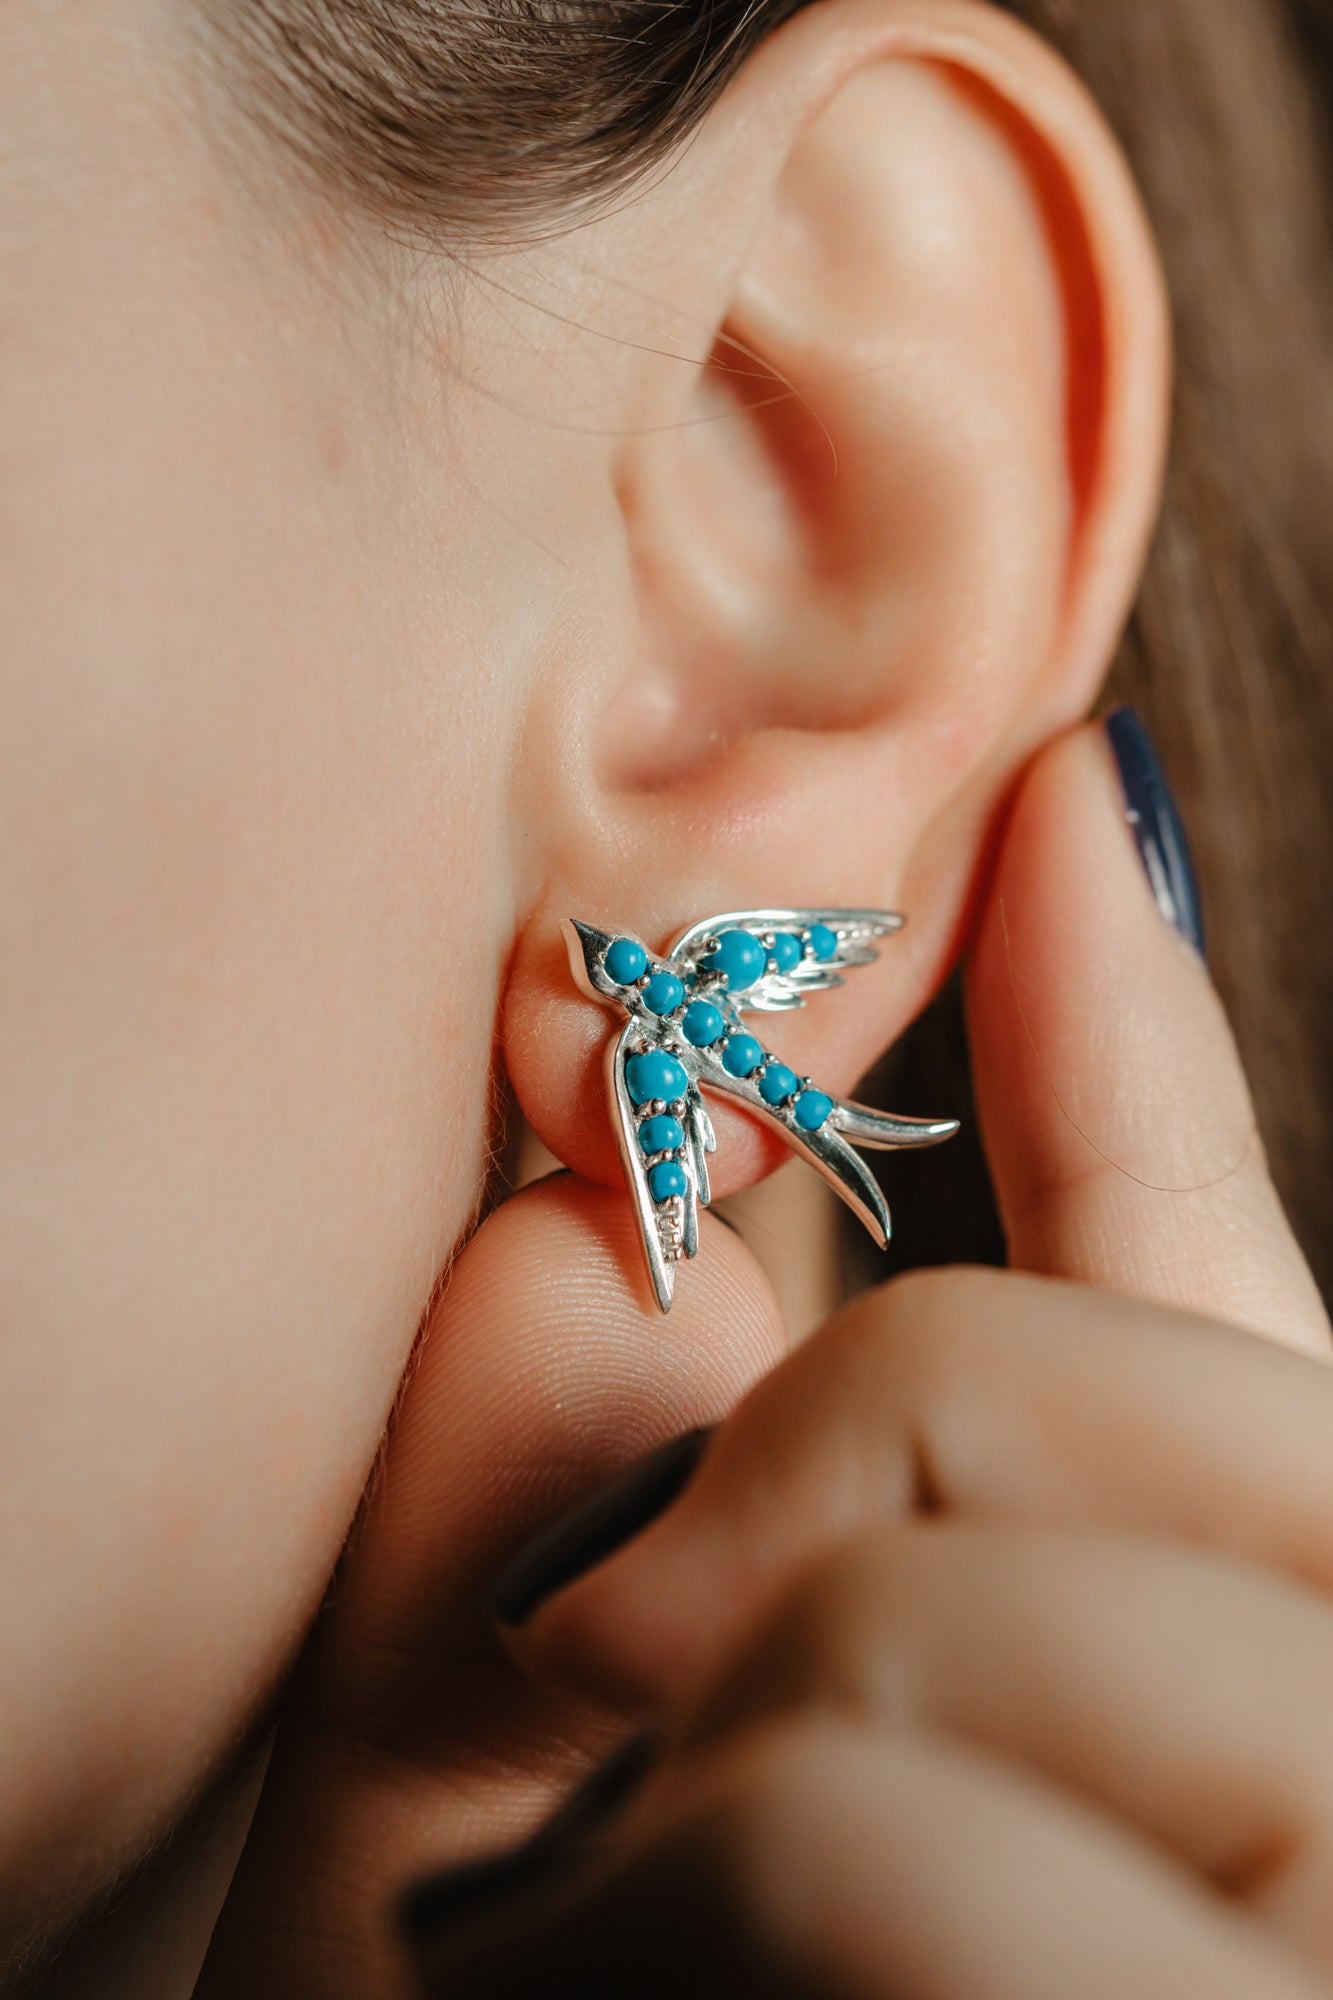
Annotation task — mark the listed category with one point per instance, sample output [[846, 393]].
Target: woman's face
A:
[[367, 610], [265, 632]]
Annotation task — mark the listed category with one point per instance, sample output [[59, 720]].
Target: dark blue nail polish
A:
[[1153, 815], [433, 1906], [595, 1529]]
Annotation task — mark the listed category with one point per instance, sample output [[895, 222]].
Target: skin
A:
[[988, 1642], [362, 620]]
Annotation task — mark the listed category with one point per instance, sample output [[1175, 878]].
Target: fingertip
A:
[[1115, 1111], [1071, 922], [546, 1367]]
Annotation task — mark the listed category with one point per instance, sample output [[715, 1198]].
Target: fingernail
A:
[[595, 1529], [440, 1901], [1154, 818]]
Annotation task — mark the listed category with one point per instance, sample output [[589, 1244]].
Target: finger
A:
[[822, 1857], [982, 1394], [1186, 1693], [411, 1738], [1116, 1116]]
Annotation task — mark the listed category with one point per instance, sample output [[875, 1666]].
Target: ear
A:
[[881, 543]]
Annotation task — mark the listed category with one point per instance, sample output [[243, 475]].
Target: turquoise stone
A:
[[811, 1110], [741, 957], [788, 951], [704, 1024], [625, 961], [665, 1179], [655, 1074], [663, 993], [742, 1055], [778, 1083], [823, 942], [662, 1134]]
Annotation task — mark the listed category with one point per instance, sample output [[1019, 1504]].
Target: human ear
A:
[[878, 546]]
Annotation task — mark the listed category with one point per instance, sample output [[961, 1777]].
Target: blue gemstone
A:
[[704, 1024], [823, 942], [811, 1110], [788, 950], [655, 1074], [626, 961], [778, 1083], [742, 1055], [662, 1134], [741, 957], [663, 993], [667, 1178]]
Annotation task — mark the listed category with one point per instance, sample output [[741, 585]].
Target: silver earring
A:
[[684, 1034]]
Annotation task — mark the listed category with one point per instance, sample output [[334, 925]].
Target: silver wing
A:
[[830, 1150], [778, 992], [670, 1229]]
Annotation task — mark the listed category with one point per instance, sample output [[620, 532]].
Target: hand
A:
[[1000, 1402], [959, 1761]]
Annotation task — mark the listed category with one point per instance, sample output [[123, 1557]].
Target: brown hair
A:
[[461, 117]]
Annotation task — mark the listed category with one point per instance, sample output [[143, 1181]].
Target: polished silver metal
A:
[[670, 1228]]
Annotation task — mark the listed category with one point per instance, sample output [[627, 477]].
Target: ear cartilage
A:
[[684, 1034]]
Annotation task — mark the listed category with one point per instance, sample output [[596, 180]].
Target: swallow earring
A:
[[684, 1034]]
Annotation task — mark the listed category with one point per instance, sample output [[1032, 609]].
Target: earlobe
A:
[[884, 543]]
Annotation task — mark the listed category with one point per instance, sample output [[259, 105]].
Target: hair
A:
[[460, 119]]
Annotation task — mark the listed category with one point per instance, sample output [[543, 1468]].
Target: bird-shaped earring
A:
[[684, 1034]]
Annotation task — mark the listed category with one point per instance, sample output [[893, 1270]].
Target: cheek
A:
[[252, 914]]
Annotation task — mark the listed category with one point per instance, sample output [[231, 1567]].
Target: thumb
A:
[[1115, 1112], [409, 1737]]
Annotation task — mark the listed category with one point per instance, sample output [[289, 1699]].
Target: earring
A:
[[684, 1034]]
